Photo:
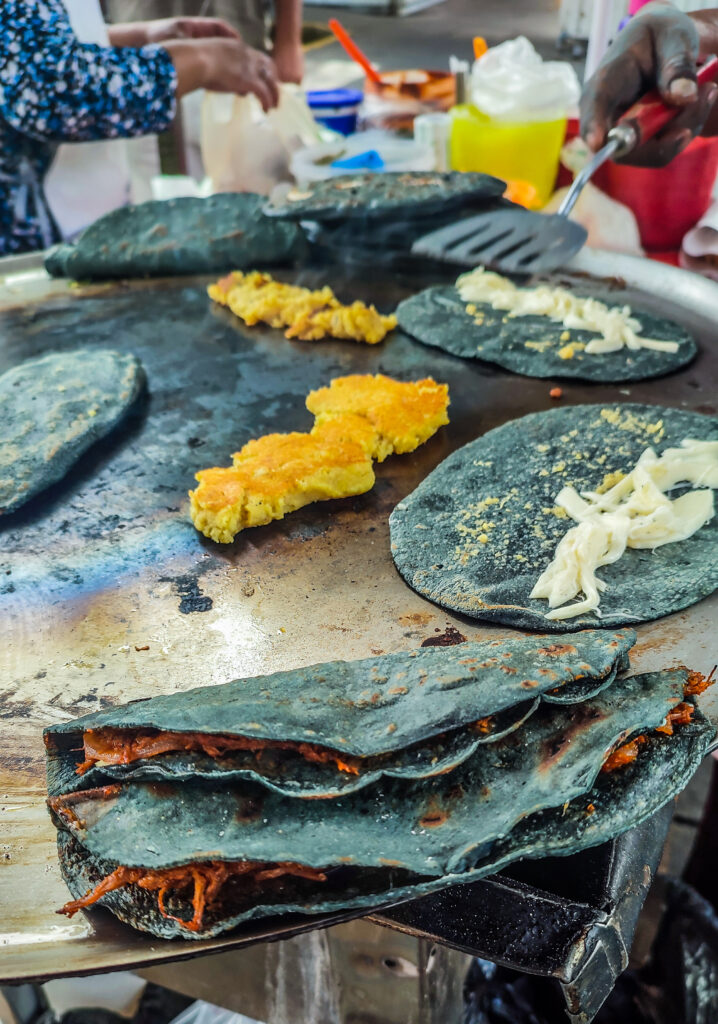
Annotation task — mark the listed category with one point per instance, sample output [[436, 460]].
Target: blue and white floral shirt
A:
[[55, 89]]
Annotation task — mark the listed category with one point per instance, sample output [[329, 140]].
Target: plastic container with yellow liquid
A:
[[515, 123], [517, 151]]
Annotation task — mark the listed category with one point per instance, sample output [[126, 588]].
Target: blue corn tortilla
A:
[[53, 409], [438, 317], [435, 531], [536, 793], [408, 715], [395, 195], [179, 236], [288, 773]]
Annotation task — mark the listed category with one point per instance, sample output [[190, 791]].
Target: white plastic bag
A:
[[246, 150], [699, 251], [512, 83], [206, 1013]]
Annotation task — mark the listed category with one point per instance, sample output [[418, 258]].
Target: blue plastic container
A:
[[336, 108]]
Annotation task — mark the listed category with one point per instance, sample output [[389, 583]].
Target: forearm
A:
[[130, 33], [190, 65], [288, 21], [77, 92]]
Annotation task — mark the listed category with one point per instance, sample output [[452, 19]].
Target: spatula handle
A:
[[353, 50], [646, 117]]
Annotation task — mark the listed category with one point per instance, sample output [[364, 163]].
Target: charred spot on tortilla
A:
[[333, 728], [54, 408], [489, 525], [179, 236], [396, 194], [534, 346]]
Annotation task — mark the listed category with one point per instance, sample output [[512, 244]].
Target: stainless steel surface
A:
[[669, 285], [506, 238], [101, 565], [619, 141]]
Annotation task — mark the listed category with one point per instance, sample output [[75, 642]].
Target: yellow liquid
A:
[[515, 151]]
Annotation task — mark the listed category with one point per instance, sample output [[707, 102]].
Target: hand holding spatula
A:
[[517, 241]]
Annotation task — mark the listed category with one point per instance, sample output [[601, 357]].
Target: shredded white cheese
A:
[[634, 513], [617, 327]]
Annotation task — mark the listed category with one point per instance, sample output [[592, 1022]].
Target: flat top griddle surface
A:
[[107, 592]]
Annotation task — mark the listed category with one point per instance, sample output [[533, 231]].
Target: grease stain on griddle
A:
[[448, 638], [191, 597]]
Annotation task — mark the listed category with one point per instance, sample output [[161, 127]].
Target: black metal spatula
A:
[[518, 241]]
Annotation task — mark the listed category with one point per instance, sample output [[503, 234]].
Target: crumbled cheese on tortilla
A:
[[617, 328], [569, 351], [627, 420], [610, 480], [631, 511]]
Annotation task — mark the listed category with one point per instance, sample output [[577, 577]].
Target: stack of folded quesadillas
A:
[[352, 784]]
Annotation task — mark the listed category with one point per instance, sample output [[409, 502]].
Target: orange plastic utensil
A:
[[353, 50], [480, 47]]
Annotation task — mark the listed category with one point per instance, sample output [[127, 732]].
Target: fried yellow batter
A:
[[280, 473], [404, 415], [359, 418], [307, 315]]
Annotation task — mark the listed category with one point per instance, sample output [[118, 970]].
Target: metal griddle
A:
[[107, 593]]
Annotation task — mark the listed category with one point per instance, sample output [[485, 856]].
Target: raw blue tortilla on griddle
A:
[[502, 486], [397, 840], [164, 237], [54, 408], [529, 345]]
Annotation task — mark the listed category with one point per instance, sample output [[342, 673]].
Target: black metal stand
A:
[[567, 918]]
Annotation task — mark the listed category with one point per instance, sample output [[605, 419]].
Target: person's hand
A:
[[659, 48], [289, 60], [241, 70], [224, 65]]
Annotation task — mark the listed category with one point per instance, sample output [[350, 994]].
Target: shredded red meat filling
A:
[[206, 879], [697, 682], [681, 714], [124, 746]]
